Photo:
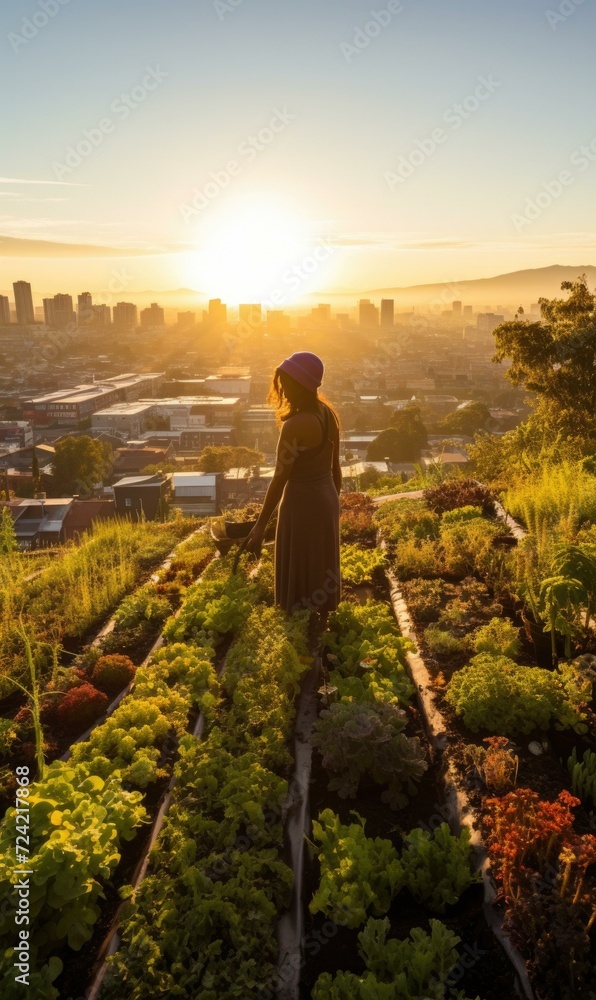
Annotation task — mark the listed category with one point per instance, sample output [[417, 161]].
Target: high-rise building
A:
[[102, 316], [457, 308], [368, 314], [125, 316], [48, 312], [488, 322], [187, 319], [218, 312], [387, 313], [468, 311], [4, 310], [64, 314], [85, 309], [152, 317], [250, 313], [24, 303]]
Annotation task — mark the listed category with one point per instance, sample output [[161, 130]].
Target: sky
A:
[[262, 149]]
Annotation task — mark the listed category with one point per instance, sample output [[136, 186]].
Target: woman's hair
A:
[[290, 397]]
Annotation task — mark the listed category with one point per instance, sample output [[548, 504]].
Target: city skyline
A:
[[417, 141]]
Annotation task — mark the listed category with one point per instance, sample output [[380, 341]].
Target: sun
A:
[[246, 251]]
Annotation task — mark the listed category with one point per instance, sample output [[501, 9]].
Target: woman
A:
[[307, 480]]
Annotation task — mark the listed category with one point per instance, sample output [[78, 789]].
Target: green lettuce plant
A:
[[358, 873], [437, 866]]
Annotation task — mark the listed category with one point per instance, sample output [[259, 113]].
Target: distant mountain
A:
[[512, 290], [13, 246]]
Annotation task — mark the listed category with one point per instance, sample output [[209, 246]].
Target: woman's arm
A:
[[336, 463], [287, 452]]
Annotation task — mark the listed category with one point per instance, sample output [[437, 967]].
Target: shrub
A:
[[459, 514], [112, 673], [355, 739], [444, 644], [80, 707], [455, 493], [494, 693], [357, 872], [437, 866], [467, 546], [499, 637], [425, 598], [417, 558]]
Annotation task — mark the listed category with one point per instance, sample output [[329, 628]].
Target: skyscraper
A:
[[4, 311], [152, 317], [387, 313], [368, 314], [251, 313], [85, 308], [457, 308], [125, 316], [64, 314], [48, 312], [24, 303], [218, 312]]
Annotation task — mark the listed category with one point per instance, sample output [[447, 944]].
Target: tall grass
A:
[[558, 496], [78, 589]]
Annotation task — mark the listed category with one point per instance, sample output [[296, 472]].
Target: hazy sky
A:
[[330, 172]]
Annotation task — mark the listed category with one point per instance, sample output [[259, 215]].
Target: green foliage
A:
[[494, 693], [80, 463], [212, 607], [77, 822], [358, 873], [215, 458], [360, 565], [466, 420], [458, 514], [416, 968], [144, 606], [8, 538], [499, 637], [553, 494], [403, 440], [556, 359], [437, 866], [366, 738], [583, 776], [467, 546], [443, 644]]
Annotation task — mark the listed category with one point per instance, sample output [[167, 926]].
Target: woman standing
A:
[[307, 480]]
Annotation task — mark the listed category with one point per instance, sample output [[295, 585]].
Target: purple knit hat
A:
[[305, 368]]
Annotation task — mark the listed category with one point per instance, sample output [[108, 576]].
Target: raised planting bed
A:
[[509, 729], [130, 757], [79, 690]]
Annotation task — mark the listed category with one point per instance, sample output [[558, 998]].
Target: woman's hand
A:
[[254, 541]]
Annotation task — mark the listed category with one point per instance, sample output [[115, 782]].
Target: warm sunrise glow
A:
[[248, 249]]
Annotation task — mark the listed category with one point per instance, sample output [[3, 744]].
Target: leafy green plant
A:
[[437, 866], [358, 873], [425, 598], [495, 693], [459, 514], [499, 637], [360, 565], [417, 968], [583, 776], [143, 607], [366, 738], [444, 645], [467, 546], [77, 822]]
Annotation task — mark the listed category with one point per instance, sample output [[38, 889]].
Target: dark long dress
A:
[[307, 573]]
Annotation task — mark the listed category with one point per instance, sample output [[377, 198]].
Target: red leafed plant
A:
[[113, 673], [80, 707], [454, 493], [356, 523], [356, 501], [526, 835], [547, 882]]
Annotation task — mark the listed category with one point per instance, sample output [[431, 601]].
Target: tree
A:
[[80, 463], [8, 538], [468, 420], [414, 436], [222, 459], [556, 360], [388, 444]]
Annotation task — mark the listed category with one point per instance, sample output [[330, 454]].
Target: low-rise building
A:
[[44, 522], [68, 407], [194, 494], [140, 497], [15, 433]]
